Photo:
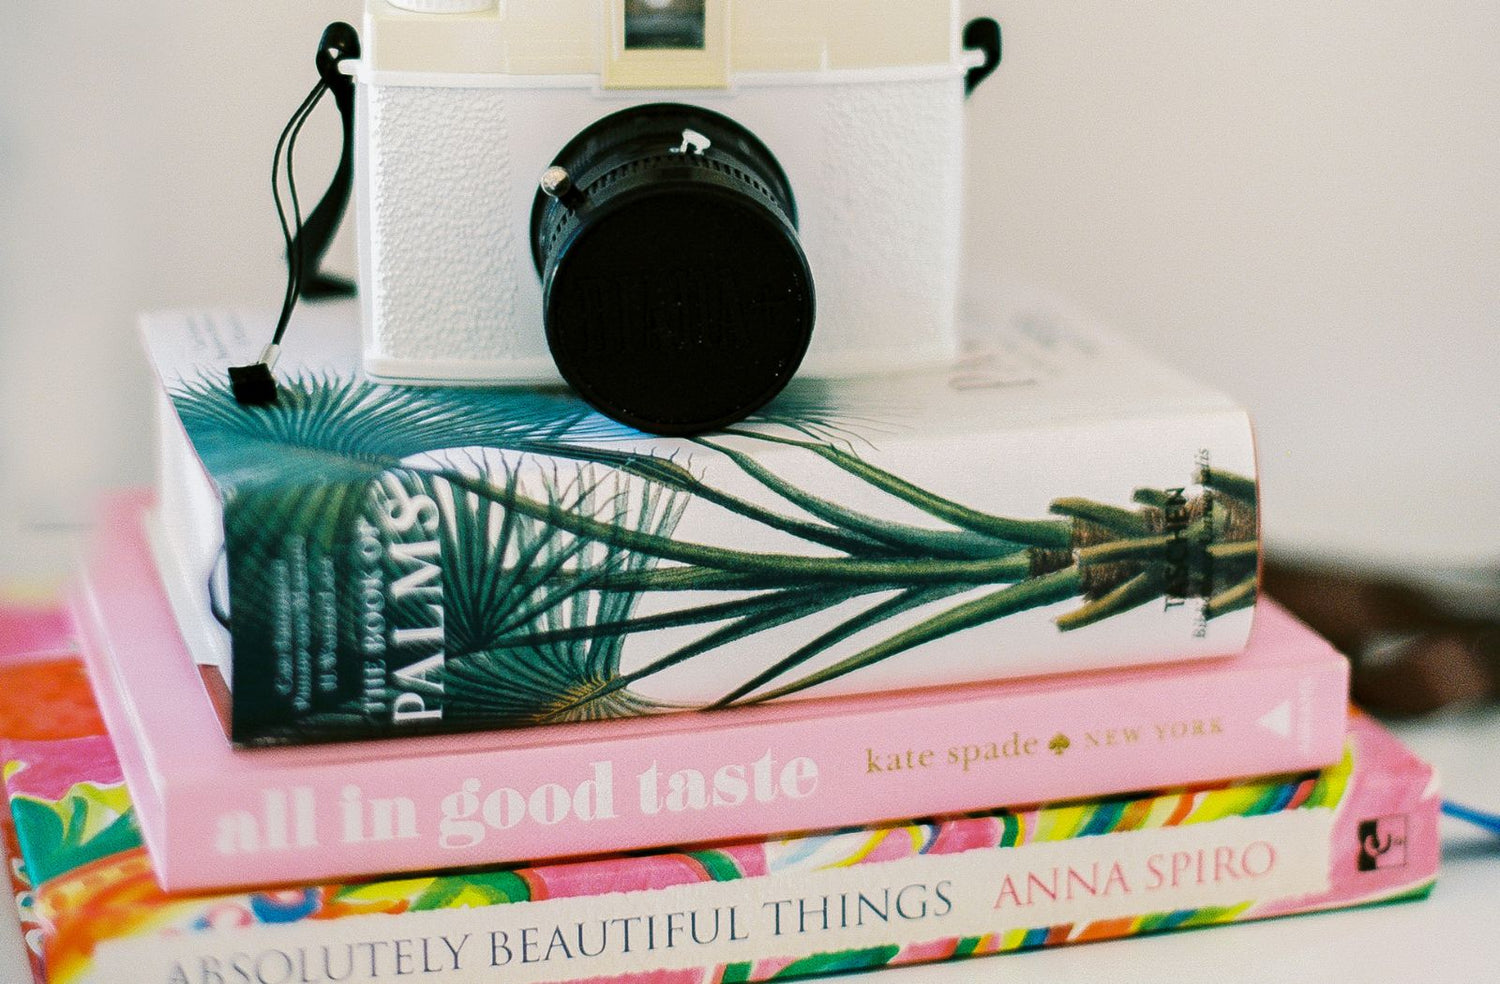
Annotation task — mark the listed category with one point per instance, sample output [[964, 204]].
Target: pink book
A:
[[1361, 832], [32, 631], [214, 816]]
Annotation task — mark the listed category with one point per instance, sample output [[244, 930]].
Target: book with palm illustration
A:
[[214, 815], [389, 560]]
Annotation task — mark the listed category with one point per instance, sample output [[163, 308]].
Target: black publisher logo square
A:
[[1382, 843]]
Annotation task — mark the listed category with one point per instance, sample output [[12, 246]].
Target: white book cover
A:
[[365, 559]]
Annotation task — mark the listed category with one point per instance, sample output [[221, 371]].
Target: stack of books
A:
[[476, 684]]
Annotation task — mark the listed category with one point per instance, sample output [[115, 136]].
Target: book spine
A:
[[751, 773], [577, 583], [855, 900]]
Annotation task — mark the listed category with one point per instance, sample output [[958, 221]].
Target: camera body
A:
[[463, 104]]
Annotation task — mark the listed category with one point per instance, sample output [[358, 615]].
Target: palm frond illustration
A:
[[335, 429], [810, 407], [521, 600], [1114, 559], [546, 575]]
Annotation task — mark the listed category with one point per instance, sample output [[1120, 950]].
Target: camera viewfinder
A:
[[665, 24]]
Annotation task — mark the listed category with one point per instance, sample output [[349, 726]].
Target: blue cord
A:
[[1479, 818]]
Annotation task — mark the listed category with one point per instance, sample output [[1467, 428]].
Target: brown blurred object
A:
[[1414, 648]]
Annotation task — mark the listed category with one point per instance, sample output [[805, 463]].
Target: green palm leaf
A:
[[719, 611], [811, 407], [904, 602], [1121, 522], [784, 568], [1036, 592], [1144, 587], [787, 607], [908, 540], [339, 429], [1231, 484], [502, 569], [1036, 533], [674, 475], [525, 640], [1232, 599]]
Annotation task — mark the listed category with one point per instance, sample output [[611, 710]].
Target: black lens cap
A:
[[677, 295]]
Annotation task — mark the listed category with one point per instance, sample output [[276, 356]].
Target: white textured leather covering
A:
[[448, 176]]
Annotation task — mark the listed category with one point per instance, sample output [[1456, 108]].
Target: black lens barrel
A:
[[676, 293]]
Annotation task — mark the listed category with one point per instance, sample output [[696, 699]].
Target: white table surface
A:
[[1453, 936]]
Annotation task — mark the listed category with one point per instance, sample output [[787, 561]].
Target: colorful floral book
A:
[[44, 697], [214, 815], [1360, 832], [365, 560]]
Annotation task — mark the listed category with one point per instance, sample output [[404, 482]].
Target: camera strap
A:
[[307, 241], [982, 34]]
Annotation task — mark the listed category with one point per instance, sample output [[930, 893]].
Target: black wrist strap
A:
[[982, 34], [307, 241], [339, 42]]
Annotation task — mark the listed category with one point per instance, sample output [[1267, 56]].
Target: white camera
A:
[[657, 199]]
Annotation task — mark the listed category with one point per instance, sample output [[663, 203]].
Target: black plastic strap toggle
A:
[[252, 385], [308, 241]]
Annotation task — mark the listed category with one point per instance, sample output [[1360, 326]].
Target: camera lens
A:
[[677, 296]]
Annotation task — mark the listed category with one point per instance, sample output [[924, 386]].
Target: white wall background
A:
[[1298, 201]]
